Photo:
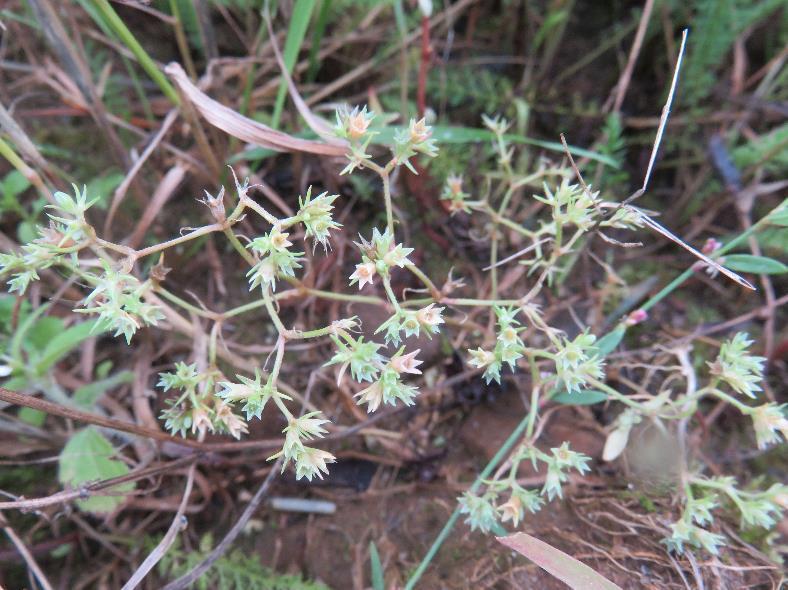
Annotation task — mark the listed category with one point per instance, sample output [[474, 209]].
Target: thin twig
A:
[[637, 44], [26, 555], [89, 490], [178, 524]]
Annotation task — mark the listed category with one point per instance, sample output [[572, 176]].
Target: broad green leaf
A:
[[569, 570], [779, 217], [86, 458], [26, 232], [14, 184], [760, 265], [19, 336], [87, 395], [31, 416], [103, 186], [608, 343], [378, 582], [7, 305], [65, 342], [774, 239], [43, 331], [586, 397]]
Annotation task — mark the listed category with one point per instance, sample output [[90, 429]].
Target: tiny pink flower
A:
[[279, 239], [406, 363], [636, 317], [430, 315], [372, 396], [419, 131], [357, 125], [364, 274], [710, 246], [201, 421]]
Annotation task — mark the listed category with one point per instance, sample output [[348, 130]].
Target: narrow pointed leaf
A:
[[572, 572], [586, 397], [378, 582], [759, 265]]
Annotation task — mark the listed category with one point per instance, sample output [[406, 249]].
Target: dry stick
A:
[[28, 401], [74, 63], [26, 555], [20, 399], [91, 489], [179, 522], [769, 308], [424, 64], [186, 580], [626, 76], [23, 143]]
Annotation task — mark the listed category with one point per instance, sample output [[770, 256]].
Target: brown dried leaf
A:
[[244, 128]]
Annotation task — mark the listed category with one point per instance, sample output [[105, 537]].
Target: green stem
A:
[[260, 210], [390, 293], [239, 247], [344, 296], [317, 333], [119, 27], [743, 408], [269, 305], [507, 222], [534, 409], [384, 175], [436, 294], [615, 394], [172, 298], [176, 241], [280, 354]]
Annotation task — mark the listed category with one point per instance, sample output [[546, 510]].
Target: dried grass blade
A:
[[566, 568], [244, 128], [672, 237]]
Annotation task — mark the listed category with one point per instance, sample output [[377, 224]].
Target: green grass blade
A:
[[302, 12], [111, 19], [378, 582], [317, 38]]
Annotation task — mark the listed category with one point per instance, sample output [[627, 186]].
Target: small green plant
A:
[[236, 570], [560, 366]]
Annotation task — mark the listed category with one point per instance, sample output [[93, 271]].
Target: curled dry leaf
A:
[[244, 128]]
